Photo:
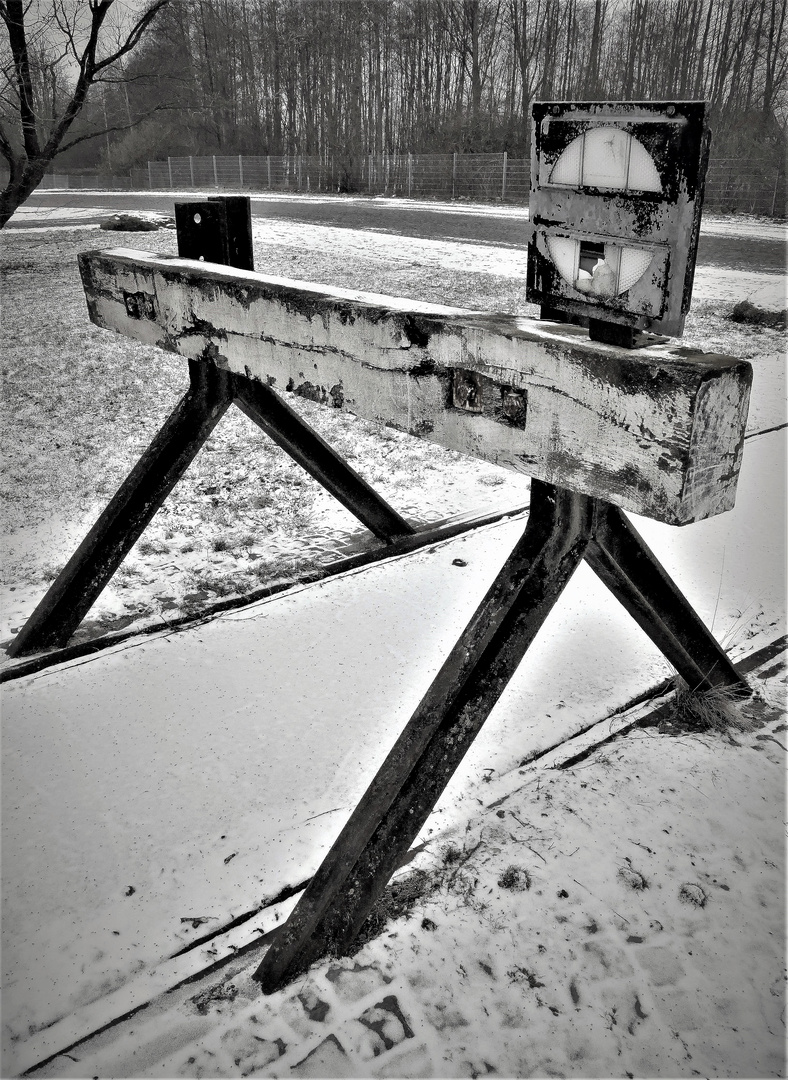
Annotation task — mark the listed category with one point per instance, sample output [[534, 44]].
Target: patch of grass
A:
[[451, 855], [718, 710], [222, 585], [268, 570], [151, 547], [515, 878]]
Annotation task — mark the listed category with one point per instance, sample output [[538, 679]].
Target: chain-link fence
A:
[[746, 187], [483, 177], [732, 185], [102, 181]]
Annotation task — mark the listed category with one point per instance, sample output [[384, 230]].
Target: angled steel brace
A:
[[210, 394], [427, 753], [283, 424], [623, 561], [82, 579], [563, 529]]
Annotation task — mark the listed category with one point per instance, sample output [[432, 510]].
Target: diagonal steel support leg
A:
[[210, 394], [620, 557], [462, 695], [82, 579], [283, 424]]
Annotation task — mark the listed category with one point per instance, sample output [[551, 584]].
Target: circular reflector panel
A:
[[607, 158], [617, 270]]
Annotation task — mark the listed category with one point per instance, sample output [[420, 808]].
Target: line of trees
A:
[[345, 78], [342, 79]]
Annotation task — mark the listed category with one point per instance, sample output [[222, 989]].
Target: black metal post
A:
[[85, 575], [283, 424], [623, 561], [461, 697], [217, 230]]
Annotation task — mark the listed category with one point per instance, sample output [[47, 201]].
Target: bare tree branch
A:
[[85, 45], [113, 128]]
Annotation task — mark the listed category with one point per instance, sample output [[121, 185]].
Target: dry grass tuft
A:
[[691, 893], [397, 901], [718, 710], [633, 878], [515, 878]]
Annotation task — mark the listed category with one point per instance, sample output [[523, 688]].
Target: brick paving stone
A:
[[327, 1060], [351, 984]]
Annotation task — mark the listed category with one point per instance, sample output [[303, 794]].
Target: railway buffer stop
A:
[[592, 400]]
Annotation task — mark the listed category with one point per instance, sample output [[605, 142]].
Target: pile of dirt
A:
[[745, 312], [131, 223]]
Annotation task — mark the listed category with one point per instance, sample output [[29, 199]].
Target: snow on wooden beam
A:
[[656, 430]]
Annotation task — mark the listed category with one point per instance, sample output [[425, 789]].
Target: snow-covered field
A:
[[154, 793]]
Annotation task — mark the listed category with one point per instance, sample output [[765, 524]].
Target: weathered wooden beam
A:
[[657, 430]]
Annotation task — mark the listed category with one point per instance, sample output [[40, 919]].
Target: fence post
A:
[[503, 182], [191, 169], [169, 169], [776, 185], [150, 177], [269, 170], [410, 173], [369, 184], [240, 170], [215, 177], [453, 172]]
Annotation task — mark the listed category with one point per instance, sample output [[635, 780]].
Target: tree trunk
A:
[[23, 182]]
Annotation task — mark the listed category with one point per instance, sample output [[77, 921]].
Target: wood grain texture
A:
[[657, 430]]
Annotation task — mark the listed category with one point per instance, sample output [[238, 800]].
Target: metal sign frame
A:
[[616, 181]]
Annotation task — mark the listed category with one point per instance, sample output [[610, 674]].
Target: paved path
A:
[[498, 225]]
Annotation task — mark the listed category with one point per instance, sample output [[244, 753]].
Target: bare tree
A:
[[56, 50]]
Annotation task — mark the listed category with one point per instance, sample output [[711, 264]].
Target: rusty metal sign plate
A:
[[616, 197]]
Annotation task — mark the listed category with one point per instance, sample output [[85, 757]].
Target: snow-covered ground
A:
[[622, 917], [173, 783]]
